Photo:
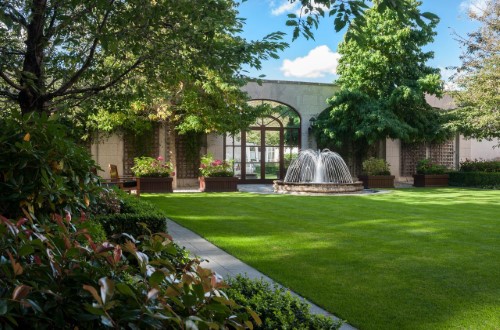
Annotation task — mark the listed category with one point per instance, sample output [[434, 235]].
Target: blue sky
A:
[[315, 60]]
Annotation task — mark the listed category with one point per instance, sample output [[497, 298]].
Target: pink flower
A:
[[160, 158]]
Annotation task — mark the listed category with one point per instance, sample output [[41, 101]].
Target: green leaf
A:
[[94, 310], [3, 307], [35, 305], [156, 278], [125, 290], [339, 24], [26, 250], [430, 16]]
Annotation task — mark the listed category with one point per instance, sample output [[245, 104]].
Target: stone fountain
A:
[[323, 172]]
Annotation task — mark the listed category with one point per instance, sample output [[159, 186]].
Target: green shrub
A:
[[135, 216], [49, 280], [277, 308], [479, 166], [475, 179], [108, 201], [95, 229], [376, 166], [426, 166], [42, 169]]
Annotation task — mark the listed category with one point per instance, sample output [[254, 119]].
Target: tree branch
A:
[[97, 89], [8, 94], [50, 29], [62, 90], [6, 78], [11, 12]]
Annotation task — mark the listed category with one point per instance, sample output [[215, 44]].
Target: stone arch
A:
[[263, 151], [308, 99]]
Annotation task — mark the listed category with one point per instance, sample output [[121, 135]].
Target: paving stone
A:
[[225, 264]]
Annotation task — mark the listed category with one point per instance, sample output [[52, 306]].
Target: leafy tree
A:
[[346, 12], [57, 55], [478, 77], [383, 80]]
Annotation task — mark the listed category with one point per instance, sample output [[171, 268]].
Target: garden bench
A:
[[125, 183]]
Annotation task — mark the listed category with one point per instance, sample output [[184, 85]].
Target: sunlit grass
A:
[[410, 259]]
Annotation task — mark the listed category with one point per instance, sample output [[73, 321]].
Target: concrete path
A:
[[225, 264]]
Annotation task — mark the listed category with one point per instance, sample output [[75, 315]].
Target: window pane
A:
[[253, 138], [291, 136], [272, 138]]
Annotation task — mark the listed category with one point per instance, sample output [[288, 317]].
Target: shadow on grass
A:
[[412, 259]]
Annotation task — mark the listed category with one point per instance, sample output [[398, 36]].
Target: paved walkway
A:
[[225, 264]]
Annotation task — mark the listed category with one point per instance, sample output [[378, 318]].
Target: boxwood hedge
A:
[[475, 179], [135, 216]]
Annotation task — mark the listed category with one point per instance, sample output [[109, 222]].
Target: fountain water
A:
[[318, 172]]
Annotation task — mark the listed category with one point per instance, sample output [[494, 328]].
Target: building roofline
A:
[[292, 82]]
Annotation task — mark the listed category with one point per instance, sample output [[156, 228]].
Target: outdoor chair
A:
[[125, 183]]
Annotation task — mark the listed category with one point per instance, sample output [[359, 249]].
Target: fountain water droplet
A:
[[318, 167]]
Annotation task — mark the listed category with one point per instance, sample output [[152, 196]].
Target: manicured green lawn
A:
[[409, 259]]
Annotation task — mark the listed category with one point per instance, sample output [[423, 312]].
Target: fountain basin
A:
[[282, 187]]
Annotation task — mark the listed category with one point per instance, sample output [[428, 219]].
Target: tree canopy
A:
[[61, 56], [346, 13], [383, 79], [478, 77]]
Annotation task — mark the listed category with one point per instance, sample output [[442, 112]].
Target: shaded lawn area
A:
[[409, 259]]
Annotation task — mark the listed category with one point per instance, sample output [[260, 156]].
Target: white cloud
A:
[[285, 7], [319, 62], [446, 75], [477, 7]]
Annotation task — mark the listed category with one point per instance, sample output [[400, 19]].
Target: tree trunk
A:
[[31, 96]]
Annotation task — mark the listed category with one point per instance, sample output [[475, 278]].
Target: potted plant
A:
[[154, 174], [217, 175], [430, 174], [376, 174]]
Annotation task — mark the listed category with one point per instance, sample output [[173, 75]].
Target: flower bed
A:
[[376, 174], [217, 175], [153, 174], [430, 174]]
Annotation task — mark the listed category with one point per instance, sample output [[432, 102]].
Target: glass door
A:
[[273, 154], [263, 152], [253, 154]]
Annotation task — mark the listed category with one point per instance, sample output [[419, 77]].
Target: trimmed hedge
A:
[[133, 212], [475, 179], [277, 308], [480, 166]]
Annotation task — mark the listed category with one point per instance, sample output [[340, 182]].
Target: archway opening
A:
[[263, 152]]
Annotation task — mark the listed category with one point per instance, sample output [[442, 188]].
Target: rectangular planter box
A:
[[430, 180], [377, 181], [218, 184], [156, 185]]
